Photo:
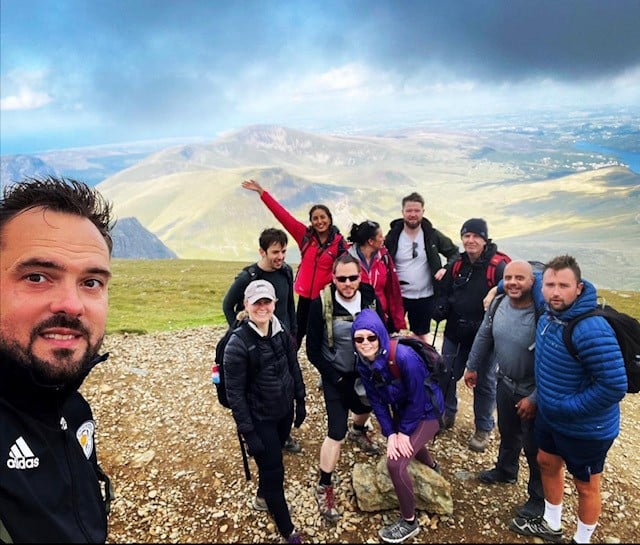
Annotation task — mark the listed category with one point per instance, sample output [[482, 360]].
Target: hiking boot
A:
[[295, 537], [327, 502], [259, 504], [399, 531], [448, 420], [480, 440], [436, 468], [292, 446], [531, 509], [363, 442], [495, 475], [537, 527]]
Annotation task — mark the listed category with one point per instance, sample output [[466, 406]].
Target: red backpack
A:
[[495, 260]]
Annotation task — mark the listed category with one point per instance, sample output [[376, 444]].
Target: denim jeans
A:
[[484, 394]]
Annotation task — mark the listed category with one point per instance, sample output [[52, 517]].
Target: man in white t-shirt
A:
[[415, 246]]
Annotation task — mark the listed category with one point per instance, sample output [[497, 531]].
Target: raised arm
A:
[[252, 185]]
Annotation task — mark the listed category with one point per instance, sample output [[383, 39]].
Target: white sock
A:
[[553, 515], [584, 531]]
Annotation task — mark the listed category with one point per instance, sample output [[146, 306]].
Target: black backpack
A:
[[627, 330], [430, 357], [240, 328], [255, 272]]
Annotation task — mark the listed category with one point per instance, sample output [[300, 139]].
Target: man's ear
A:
[[580, 287], [262, 252]]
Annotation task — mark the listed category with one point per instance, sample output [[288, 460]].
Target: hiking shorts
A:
[[339, 400], [419, 313], [583, 457]]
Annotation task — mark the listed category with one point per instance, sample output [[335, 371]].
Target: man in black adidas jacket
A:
[[55, 249]]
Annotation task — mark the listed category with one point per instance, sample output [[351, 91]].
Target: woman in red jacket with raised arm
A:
[[320, 244]]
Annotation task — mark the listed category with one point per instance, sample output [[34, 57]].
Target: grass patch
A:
[[161, 295], [147, 296]]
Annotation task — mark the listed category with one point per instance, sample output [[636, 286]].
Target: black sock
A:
[[325, 478]]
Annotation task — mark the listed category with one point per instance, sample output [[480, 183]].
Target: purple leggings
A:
[[398, 469]]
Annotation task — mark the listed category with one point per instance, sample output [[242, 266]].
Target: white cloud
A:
[[23, 90], [25, 99]]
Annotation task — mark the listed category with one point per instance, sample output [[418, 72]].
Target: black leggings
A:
[[273, 434], [302, 318]]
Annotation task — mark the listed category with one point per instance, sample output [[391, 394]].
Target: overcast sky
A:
[[85, 72]]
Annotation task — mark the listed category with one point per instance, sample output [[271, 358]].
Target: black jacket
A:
[[435, 243], [460, 301], [282, 280], [49, 485], [265, 393]]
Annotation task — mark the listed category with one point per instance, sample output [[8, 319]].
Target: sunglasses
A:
[[351, 278], [414, 250], [370, 338]]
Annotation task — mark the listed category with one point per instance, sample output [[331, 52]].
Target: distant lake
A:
[[626, 157]]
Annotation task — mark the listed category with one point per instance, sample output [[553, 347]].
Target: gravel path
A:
[[173, 456]]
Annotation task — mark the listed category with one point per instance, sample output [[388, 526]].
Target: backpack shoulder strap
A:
[[253, 271], [288, 272], [493, 307], [495, 260], [244, 333], [455, 268], [567, 333], [393, 366], [327, 312]]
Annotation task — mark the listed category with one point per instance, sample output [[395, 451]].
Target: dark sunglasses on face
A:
[[370, 338], [351, 278]]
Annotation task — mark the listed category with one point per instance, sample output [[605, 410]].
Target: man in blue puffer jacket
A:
[[578, 401]]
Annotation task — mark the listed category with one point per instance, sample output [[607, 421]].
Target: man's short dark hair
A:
[[413, 197], [271, 236], [60, 195], [346, 258], [564, 262]]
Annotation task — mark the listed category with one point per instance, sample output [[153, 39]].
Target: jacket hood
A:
[[586, 301], [369, 319]]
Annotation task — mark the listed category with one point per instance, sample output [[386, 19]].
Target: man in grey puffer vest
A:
[[330, 350]]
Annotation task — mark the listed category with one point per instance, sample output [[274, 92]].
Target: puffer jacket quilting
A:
[[580, 398], [266, 393]]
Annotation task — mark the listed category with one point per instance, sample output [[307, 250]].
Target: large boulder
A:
[[374, 490]]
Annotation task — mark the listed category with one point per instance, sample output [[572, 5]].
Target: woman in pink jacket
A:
[[378, 270], [320, 244]]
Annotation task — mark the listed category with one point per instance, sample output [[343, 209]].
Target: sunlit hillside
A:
[[191, 197]]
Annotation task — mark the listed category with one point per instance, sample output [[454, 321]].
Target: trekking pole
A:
[[245, 459], [435, 334]]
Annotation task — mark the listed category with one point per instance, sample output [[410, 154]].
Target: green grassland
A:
[[146, 296]]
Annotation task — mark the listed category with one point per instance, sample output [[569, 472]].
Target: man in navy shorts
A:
[[578, 414]]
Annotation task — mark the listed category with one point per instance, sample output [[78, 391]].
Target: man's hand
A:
[[491, 294], [252, 185], [440, 273], [255, 446], [525, 409], [470, 378]]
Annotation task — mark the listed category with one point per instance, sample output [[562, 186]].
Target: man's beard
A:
[[60, 368], [413, 224]]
